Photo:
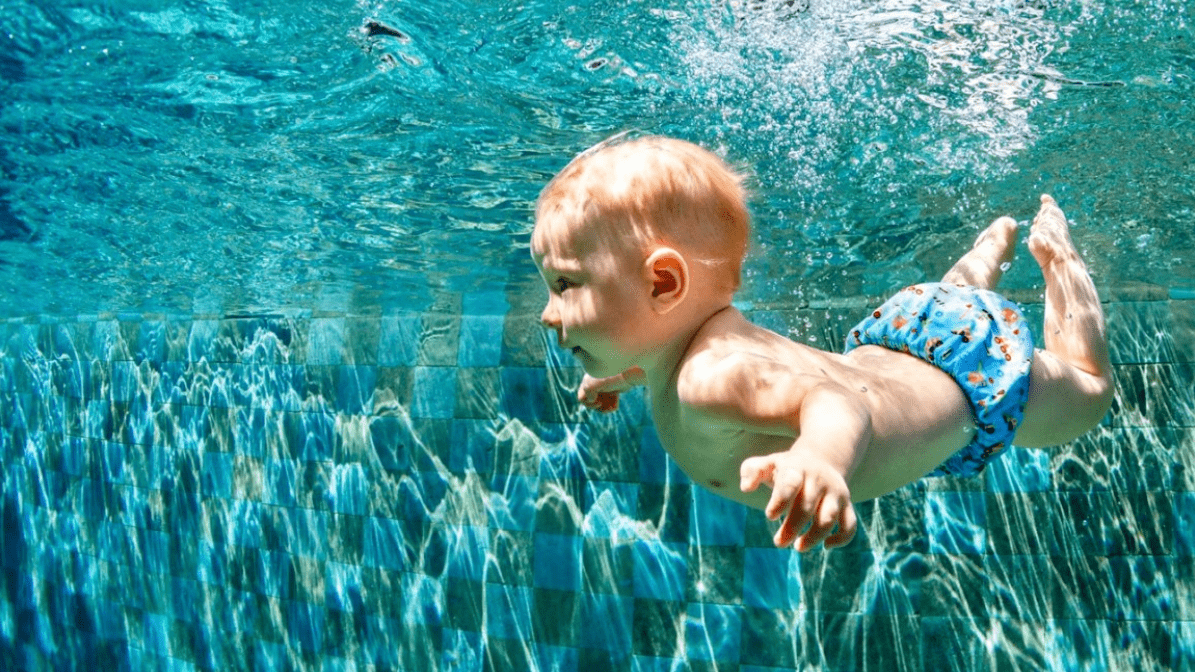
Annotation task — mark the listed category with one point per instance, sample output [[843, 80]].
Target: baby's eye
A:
[[563, 284]]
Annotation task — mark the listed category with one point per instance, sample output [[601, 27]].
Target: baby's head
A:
[[654, 191]]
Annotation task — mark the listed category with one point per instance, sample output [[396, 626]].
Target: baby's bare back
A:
[[918, 415]]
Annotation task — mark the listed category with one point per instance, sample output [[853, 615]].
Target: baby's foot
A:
[[1049, 237]]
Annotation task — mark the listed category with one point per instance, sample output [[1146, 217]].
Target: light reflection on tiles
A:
[[420, 492]]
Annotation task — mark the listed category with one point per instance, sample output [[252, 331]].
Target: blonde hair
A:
[[657, 190]]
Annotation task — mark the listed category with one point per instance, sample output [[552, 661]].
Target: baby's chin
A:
[[592, 366]]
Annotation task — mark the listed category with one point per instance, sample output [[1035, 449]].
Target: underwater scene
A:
[[275, 395]]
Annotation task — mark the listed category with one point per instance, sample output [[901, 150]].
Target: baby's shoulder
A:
[[715, 379]]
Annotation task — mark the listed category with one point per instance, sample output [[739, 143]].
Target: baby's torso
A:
[[919, 416]]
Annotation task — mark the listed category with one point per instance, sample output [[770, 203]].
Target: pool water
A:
[[273, 392]]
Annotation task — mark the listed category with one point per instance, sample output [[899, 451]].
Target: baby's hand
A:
[[601, 394], [808, 492]]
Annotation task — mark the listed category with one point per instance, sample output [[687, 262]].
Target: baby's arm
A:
[[830, 430], [601, 394], [809, 480]]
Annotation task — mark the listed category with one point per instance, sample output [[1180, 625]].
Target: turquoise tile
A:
[[715, 520], [770, 578], [481, 341], [467, 550], [508, 611], [434, 392], [615, 613], [462, 650], [661, 570], [557, 561], [386, 544], [326, 341], [956, 522], [398, 340], [712, 632], [1019, 470]]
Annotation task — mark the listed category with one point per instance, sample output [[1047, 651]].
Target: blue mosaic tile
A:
[[1183, 506], [661, 570], [557, 658], [305, 625], [434, 392], [715, 520], [343, 587], [658, 664], [307, 532], [268, 655], [770, 578], [156, 634], [201, 340], [515, 508], [481, 341], [557, 561], [108, 344], [245, 523], [1020, 470], [399, 340], [467, 547], [348, 489], [956, 522], [385, 544], [281, 482], [508, 611], [104, 511], [611, 509], [712, 632], [462, 650], [125, 379], [524, 393], [616, 613], [391, 438], [472, 447], [310, 436], [151, 342], [355, 389], [563, 461], [326, 341]]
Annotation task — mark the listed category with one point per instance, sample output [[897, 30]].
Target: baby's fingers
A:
[[755, 471], [798, 505], [606, 402], [832, 512], [846, 529]]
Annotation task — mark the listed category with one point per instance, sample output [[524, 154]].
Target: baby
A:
[[640, 244]]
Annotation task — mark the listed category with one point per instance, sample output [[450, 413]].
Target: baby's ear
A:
[[669, 276]]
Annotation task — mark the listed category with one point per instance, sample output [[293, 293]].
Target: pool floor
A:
[[416, 492]]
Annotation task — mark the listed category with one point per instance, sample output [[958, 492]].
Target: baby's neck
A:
[[661, 370]]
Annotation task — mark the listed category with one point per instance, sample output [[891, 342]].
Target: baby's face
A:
[[597, 296]]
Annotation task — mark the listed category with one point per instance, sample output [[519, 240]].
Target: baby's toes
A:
[[1041, 248]]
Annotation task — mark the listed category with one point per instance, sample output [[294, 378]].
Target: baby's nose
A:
[[549, 318]]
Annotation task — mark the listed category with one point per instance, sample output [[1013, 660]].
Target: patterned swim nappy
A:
[[978, 337]]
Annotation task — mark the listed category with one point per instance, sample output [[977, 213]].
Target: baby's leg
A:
[[1071, 386], [983, 265]]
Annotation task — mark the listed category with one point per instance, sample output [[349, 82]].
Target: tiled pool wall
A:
[[418, 492]]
